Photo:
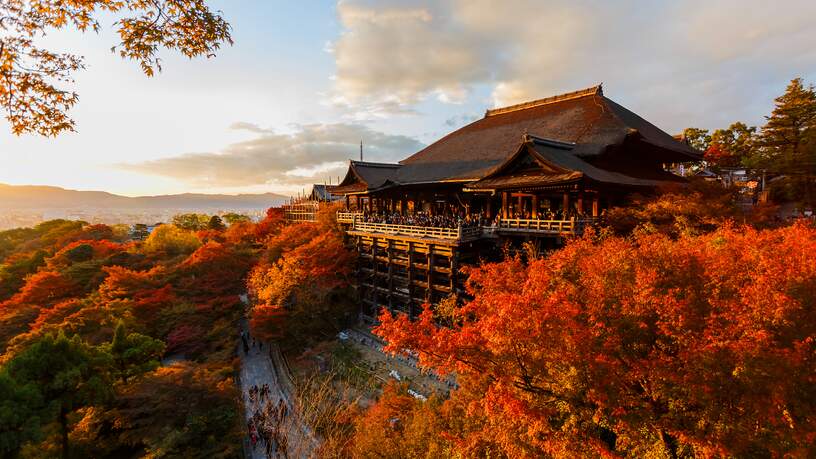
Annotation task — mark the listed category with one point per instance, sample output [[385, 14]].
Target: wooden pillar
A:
[[429, 292], [596, 206], [348, 203], [390, 273], [579, 205], [535, 206], [488, 211], [410, 279], [566, 204], [520, 208], [504, 213], [453, 267]]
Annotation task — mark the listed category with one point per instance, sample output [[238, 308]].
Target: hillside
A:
[[27, 197]]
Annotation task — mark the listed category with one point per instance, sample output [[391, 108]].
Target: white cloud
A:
[[680, 61], [311, 154]]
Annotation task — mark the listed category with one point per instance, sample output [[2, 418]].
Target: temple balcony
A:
[[571, 227], [458, 234]]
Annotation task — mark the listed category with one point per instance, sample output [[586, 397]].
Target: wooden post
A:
[[535, 206], [390, 273], [504, 205], [579, 205], [453, 268], [429, 292], [410, 279], [520, 208], [348, 203], [596, 206], [566, 204], [488, 212]]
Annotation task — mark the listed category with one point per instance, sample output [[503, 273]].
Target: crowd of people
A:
[[454, 221], [426, 219], [267, 425]]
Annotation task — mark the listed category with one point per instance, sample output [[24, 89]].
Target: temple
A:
[[534, 172]]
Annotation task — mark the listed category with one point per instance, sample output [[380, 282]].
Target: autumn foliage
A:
[[645, 347], [300, 288]]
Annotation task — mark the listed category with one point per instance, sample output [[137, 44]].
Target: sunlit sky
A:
[[305, 82]]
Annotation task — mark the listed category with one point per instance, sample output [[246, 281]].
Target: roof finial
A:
[[361, 150]]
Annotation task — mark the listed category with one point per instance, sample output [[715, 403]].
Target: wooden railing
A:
[[347, 217], [301, 212], [409, 230], [529, 225], [521, 225]]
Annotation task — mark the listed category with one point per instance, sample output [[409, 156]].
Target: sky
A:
[[305, 82]]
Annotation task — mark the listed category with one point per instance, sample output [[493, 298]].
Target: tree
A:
[[731, 147], [34, 80], [788, 141], [216, 224], [697, 138], [19, 421], [304, 287], [133, 353], [68, 373], [231, 218], [191, 222], [140, 232], [171, 240], [642, 347]]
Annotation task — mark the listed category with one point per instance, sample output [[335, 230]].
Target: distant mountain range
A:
[[27, 197]]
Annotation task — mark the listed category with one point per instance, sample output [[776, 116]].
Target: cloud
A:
[[679, 60], [311, 154]]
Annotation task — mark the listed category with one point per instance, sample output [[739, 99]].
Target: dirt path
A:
[[258, 369]]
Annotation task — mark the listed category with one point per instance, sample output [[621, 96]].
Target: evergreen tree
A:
[[68, 373], [216, 223], [133, 353], [19, 420], [787, 141]]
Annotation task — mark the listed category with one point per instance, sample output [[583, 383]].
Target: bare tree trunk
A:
[[63, 420]]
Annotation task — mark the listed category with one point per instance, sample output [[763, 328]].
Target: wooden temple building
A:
[[537, 171]]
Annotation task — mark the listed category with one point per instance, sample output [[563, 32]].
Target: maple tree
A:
[[700, 345], [34, 80], [298, 287]]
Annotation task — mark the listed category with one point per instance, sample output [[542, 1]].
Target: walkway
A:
[[258, 369]]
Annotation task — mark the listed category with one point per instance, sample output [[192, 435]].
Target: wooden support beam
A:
[[535, 206], [429, 290], [596, 204], [566, 204], [579, 205], [410, 277], [520, 208], [504, 213]]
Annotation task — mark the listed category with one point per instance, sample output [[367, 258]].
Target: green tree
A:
[[733, 146], [133, 353], [232, 218], [19, 420], [68, 373], [191, 222], [34, 80], [171, 240], [787, 143], [216, 223], [697, 138], [140, 232]]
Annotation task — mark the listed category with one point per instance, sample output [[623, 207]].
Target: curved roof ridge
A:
[[373, 164], [592, 91]]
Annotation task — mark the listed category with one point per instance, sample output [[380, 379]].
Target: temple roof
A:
[[363, 176], [558, 164], [594, 126], [586, 118]]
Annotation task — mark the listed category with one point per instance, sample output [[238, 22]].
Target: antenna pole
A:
[[361, 150]]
